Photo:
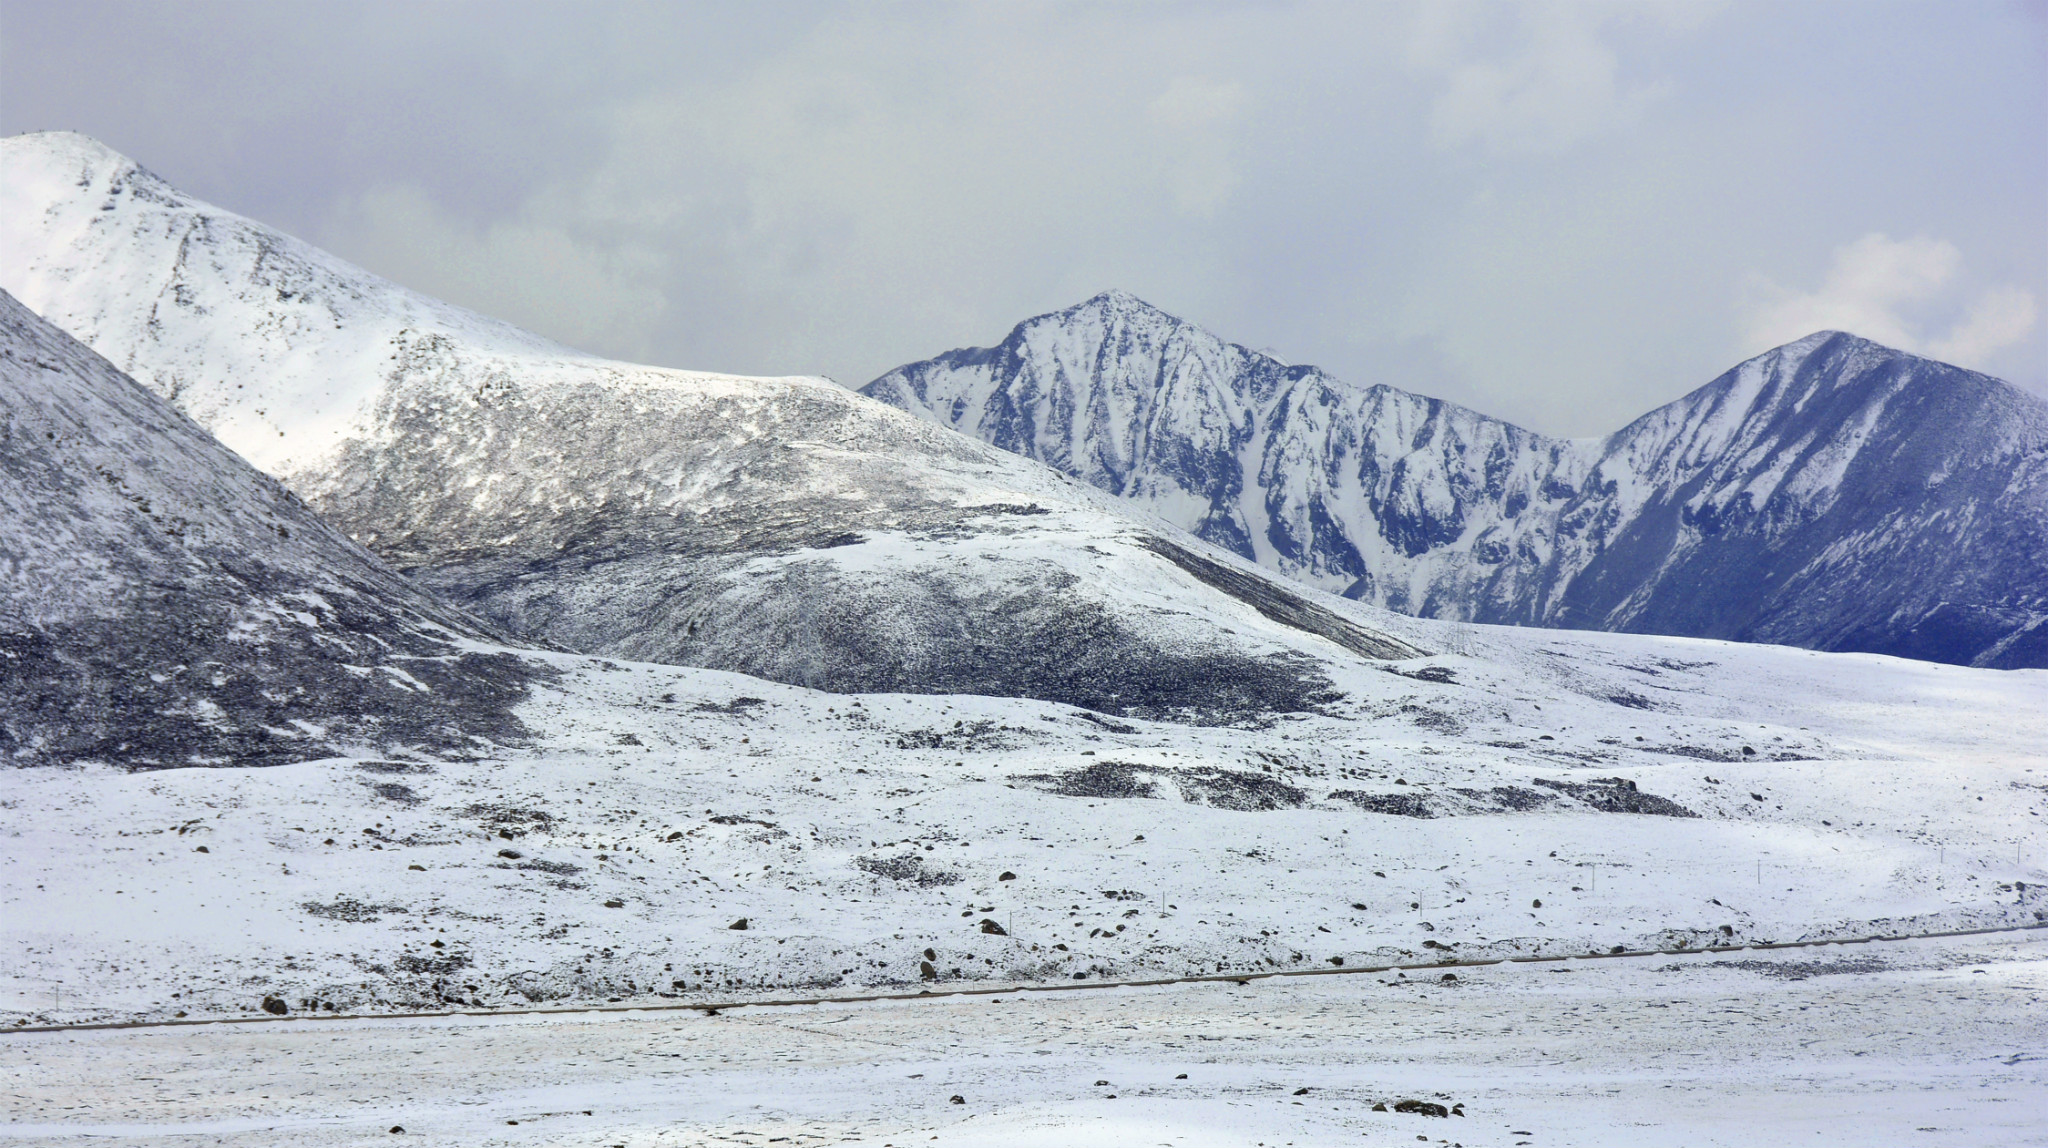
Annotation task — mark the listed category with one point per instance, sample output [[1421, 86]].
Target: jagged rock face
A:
[[162, 603], [784, 528], [1834, 494], [1831, 493]]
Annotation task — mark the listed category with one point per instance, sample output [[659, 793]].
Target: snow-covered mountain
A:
[[784, 528], [162, 603], [1831, 493], [672, 832]]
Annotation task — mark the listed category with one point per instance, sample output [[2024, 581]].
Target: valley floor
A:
[[1918, 1042]]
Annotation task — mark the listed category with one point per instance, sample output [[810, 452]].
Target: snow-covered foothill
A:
[[783, 527], [163, 603]]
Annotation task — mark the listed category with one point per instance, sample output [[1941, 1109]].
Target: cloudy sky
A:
[[1559, 214]]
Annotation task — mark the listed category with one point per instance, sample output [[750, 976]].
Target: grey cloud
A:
[[1561, 215]]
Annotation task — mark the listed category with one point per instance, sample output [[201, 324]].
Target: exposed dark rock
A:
[[1238, 789], [1618, 795], [350, 909], [1099, 779], [1508, 798], [1442, 675], [1284, 606], [1397, 804], [908, 867]]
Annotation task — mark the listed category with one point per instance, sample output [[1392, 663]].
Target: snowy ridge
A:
[[1744, 510], [784, 528], [134, 268]]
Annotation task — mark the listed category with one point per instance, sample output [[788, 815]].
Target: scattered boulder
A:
[[927, 970], [1422, 1108], [275, 1007], [957, 1099], [740, 924], [991, 928], [1007, 876], [618, 904]]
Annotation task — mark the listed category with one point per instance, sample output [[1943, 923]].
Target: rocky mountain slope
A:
[[162, 603], [783, 528], [1832, 493]]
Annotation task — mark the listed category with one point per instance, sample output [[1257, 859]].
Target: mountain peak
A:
[[68, 142], [1118, 301], [1841, 342], [66, 151]]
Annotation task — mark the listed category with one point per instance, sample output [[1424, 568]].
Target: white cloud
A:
[[1998, 319], [1560, 82], [605, 299], [1883, 289]]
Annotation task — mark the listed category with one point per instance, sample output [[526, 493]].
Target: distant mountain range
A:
[[1832, 493], [784, 528]]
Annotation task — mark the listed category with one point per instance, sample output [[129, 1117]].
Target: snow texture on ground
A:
[[1501, 802], [1907, 1043]]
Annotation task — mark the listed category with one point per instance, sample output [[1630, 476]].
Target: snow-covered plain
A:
[[1913, 1043], [1782, 794]]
